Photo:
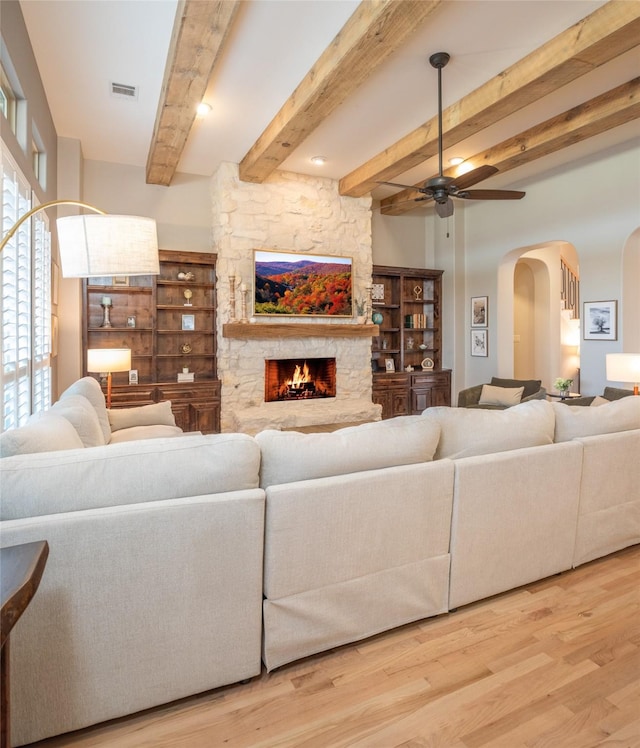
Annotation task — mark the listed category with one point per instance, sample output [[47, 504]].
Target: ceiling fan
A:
[[441, 189]]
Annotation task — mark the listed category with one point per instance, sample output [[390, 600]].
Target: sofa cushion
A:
[[466, 432], [531, 386], [83, 417], [505, 396], [156, 414], [619, 415], [89, 387], [597, 400], [289, 456], [43, 432], [156, 431], [129, 473], [616, 393]]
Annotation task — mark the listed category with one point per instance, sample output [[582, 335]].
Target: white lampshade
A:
[[623, 367], [95, 246], [107, 360]]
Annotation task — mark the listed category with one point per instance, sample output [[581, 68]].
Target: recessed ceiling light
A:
[[318, 160], [203, 109], [455, 160]]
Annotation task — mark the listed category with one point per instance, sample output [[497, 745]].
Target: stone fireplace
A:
[[297, 213], [299, 379]]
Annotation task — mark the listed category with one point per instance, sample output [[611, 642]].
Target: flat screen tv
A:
[[291, 284]]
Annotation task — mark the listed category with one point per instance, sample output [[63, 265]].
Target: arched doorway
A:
[[533, 333]]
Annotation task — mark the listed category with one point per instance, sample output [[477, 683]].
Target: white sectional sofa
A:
[[176, 565]]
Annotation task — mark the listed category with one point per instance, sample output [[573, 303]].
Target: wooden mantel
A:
[[257, 330]]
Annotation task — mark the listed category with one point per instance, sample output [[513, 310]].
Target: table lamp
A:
[[625, 368], [108, 360]]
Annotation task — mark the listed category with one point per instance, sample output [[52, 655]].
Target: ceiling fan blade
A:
[[444, 210], [413, 200], [491, 195], [404, 186], [473, 177]]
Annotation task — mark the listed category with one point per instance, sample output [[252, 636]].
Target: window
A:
[[7, 100], [25, 302]]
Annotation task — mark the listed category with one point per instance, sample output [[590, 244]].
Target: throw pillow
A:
[[466, 432], [156, 414], [531, 386], [598, 400], [82, 416], [289, 456], [619, 415], [90, 388], [506, 396], [43, 432]]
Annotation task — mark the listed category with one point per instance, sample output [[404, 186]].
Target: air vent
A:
[[124, 91]]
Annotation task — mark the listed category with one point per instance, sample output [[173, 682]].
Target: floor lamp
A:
[[625, 368], [107, 360], [96, 246]]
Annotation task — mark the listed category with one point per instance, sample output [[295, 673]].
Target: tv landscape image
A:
[[287, 283]]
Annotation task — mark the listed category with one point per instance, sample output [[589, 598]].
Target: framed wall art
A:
[[479, 343], [600, 320], [479, 311], [188, 322], [294, 284]]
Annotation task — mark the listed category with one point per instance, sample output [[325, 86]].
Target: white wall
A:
[[592, 205]]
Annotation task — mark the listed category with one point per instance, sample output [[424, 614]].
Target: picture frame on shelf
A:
[[479, 311], [377, 293], [133, 376], [188, 322], [120, 280], [131, 320], [389, 365], [479, 343], [600, 320]]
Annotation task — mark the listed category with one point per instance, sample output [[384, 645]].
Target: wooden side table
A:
[[21, 568]]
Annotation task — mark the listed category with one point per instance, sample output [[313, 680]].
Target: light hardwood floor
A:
[[555, 664]]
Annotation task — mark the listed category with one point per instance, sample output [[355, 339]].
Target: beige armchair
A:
[[470, 397]]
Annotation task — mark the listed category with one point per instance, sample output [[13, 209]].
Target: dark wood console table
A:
[[21, 568]]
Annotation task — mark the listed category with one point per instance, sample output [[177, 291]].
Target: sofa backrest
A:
[[128, 473]]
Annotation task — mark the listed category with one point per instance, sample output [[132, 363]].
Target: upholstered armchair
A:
[[490, 396]]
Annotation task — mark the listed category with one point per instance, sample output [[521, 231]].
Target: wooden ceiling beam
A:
[[376, 29], [603, 35], [199, 32], [602, 113]]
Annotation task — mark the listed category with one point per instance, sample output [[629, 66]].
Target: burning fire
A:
[[300, 377]]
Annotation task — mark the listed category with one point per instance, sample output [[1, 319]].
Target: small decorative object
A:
[[131, 321], [361, 311], [410, 343], [479, 311], [422, 347], [600, 320], [377, 318], [385, 345], [106, 305], [185, 375], [188, 293], [408, 368], [389, 365], [563, 386], [479, 343], [133, 376], [120, 280], [243, 302], [186, 348], [232, 298], [417, 292], [186, 276], [377, 293], [188, 322], [427, 364]]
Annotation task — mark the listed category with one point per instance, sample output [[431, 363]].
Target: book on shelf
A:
[[415, 321]]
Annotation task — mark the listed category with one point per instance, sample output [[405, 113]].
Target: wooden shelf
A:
[[257, 331]]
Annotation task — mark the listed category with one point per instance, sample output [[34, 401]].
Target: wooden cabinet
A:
[[169, 323], [406, 306]]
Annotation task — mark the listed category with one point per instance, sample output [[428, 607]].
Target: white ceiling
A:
[[81, 46]]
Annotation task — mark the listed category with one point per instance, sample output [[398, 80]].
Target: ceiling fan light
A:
[[456, 160], [203, 109]]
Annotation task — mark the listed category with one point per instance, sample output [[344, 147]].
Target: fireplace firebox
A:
[[299, 378]]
